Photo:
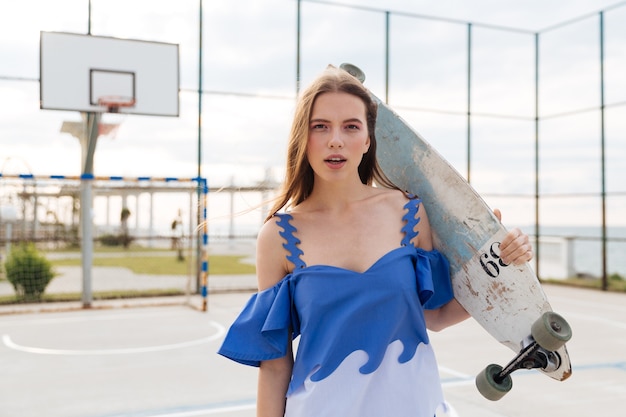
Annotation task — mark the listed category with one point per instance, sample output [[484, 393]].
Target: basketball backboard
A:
[[79, 72]]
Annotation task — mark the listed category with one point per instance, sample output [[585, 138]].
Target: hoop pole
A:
[[88, 149], [86, 223]]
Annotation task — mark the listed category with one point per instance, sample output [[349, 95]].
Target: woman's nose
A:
[[335, 139]]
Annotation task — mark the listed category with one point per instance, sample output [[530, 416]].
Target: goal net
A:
[[149, 237]]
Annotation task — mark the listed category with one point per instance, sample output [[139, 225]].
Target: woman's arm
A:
[[445, 316], [274, 375]]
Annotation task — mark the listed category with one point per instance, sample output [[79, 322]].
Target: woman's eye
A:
[[318, 126], [352, 127]]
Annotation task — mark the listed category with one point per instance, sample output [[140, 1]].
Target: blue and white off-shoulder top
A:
[[363, 349]]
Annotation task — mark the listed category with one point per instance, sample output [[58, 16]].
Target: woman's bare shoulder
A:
[[394, 198], [271, 263], [399, 199]]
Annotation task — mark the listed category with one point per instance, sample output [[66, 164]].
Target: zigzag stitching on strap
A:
[[410, 221], [292, 241]]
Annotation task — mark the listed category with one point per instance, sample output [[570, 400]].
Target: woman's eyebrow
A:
[[318, 120], [350, 120]]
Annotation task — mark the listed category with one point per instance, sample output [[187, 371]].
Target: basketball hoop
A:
[[114, 103]]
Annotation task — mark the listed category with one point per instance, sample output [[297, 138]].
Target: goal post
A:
[[45, 215]]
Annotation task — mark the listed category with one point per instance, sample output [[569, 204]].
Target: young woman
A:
[[350, 268]]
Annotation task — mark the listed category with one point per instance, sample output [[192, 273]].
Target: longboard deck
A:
[[504, 300]]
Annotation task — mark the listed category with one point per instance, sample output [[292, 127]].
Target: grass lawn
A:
[[143, 262], [166, 264], [615, 283]]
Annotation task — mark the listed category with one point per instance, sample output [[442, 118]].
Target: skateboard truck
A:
[[353, 70], [548, 334]]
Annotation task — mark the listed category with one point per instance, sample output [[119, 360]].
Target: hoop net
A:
[[113, 104]]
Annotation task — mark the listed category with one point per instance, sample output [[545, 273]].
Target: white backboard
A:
[[76, 70]]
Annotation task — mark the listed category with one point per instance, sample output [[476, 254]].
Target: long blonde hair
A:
[[299, 178]]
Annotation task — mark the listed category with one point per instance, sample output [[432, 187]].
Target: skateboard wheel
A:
[[353, 70], [489, 387], [551, 331]]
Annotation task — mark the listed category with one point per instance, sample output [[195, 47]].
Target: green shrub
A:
[[110, 240], [115, 240], [28, 271]]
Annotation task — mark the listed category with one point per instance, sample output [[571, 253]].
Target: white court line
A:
[[453, 372], [450, 411], [208, 411], [463, 378], [597, 319], [221, 330], [81, 318]]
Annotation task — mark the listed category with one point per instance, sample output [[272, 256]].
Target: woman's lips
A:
[[335, 161]]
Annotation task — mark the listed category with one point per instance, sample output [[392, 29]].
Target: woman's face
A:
[[338, 135]]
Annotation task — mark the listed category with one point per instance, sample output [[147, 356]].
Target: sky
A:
[[249, 80]]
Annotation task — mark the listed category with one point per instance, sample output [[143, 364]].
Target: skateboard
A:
[[506, 300]]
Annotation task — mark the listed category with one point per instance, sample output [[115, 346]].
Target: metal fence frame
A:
[[535, 36], [537, 119]]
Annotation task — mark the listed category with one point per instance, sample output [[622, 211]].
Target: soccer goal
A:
[[150, 237]]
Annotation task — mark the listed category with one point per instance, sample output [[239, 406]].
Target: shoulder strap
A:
[[411, 219], [292, 241]]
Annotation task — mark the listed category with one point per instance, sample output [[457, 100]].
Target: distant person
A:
[[177, 235], [350, 268]]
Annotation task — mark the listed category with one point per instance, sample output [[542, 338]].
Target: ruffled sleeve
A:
[[432, 271], [261, 331]]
